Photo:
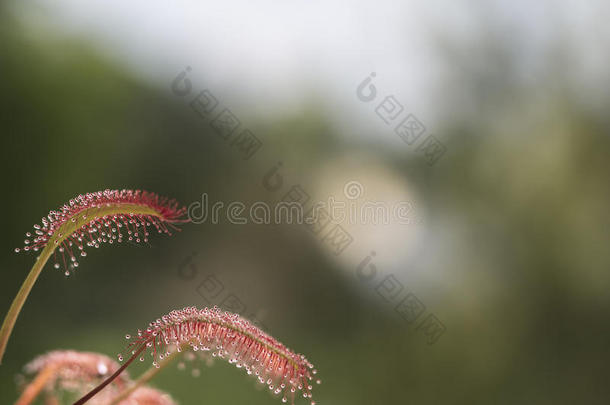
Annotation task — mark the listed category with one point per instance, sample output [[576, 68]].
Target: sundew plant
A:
[[113, 216]]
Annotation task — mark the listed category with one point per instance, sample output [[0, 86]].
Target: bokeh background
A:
[[508, 246]]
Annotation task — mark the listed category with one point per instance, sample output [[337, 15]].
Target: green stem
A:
[[24, 291], [144, 378]]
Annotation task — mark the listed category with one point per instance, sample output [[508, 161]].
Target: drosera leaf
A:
[[221, 335], [60, 371], [103, 217], [89, 220]]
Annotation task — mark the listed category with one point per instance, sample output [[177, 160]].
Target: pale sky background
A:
[[268, 56]]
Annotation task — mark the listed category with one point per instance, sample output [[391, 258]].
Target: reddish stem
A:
[[111, 378], [34, 388]]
